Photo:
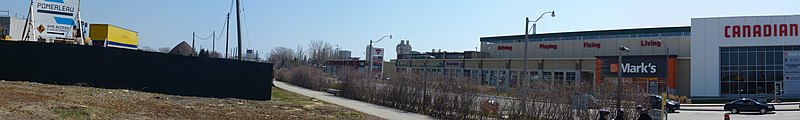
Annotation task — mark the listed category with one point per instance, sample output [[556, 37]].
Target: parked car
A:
[[747, 104], [655, 103], [333, 91]]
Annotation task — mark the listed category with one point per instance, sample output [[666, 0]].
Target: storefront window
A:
[[751, 70], [571, 76], [559, 76], [547, 75]]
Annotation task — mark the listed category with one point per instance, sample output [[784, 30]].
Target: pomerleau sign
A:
[[55, 18]]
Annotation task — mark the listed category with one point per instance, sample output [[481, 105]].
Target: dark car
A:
[[746, 104], [655, 103]]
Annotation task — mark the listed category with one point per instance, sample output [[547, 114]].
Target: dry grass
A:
[[24, 100]]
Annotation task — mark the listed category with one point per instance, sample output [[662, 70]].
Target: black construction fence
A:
[[115, 68]]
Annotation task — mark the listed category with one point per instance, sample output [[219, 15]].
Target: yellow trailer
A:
[[112, 36]]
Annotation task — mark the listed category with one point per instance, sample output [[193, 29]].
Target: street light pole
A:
[[619, 79], [368, 68], [527, 30], [666, 96]]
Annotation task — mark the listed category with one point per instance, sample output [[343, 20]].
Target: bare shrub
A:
[[304, 76], [458, 97]]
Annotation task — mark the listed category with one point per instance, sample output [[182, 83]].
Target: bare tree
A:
[[320, 51], [164, 49], [299, 56], [281, 56]]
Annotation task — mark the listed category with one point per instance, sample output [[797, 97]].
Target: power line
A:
[[247, 32], [203, 38], [224, 24]]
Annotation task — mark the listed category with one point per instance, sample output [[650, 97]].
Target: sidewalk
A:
[[372, 109]]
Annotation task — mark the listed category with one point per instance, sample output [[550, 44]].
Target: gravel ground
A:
[[25, 100]]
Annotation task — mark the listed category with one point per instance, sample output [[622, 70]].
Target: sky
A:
[[448, 25]]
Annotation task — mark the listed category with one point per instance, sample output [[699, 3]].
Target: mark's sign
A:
[[548, 46], [765, 30], [634, 66], [642, 67]]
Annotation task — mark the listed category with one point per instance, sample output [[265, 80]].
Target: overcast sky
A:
[[429, 24]]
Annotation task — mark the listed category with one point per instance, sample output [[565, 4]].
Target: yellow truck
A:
[[112, 36]]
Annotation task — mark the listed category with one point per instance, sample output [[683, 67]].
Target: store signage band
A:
[[548, 46], [655, 43], [504, 47], [765, 30], [591, 45], [635, 66], [648, 68]]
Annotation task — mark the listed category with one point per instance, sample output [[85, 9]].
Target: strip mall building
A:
[[714, 58]]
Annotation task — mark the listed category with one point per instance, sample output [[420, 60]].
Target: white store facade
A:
[[743, 56]]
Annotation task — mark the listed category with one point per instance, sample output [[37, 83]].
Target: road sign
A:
[[55, 18]]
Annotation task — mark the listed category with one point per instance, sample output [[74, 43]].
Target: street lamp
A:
[[368, 68], [619, 78], [532, 28], [666, 54]]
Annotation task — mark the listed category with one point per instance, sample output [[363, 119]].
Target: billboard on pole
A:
[[377, 60], [55, 18]]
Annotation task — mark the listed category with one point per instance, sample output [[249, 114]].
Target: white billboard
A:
[[55, 18]]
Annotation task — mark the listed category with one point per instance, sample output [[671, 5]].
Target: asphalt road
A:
[[372, 109], [790, 107], [718, 115], [783, 112]]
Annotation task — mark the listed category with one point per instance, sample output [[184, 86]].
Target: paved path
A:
[[372, 109]]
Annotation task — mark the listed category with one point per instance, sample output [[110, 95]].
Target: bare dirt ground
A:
[[25, 100]]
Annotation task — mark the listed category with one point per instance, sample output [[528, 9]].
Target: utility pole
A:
[[239, 29], [213, 41], [525, 58], [193, 36], [227, 33], [27, 22]]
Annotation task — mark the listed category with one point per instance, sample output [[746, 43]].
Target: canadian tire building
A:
[[752, 56]]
